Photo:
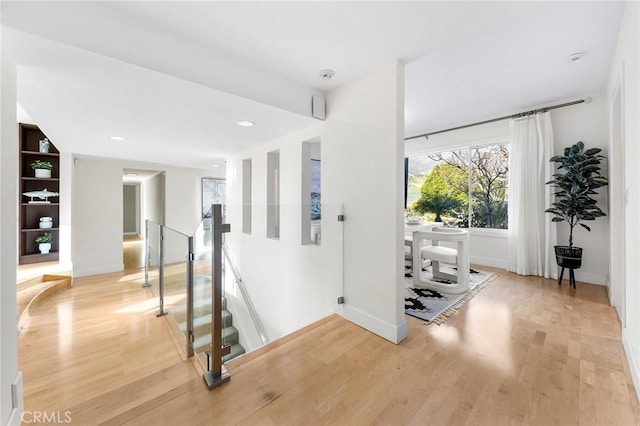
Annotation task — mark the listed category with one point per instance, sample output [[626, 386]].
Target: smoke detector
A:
[[327, 74]]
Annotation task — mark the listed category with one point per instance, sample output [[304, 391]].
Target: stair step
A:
[[202, 342], [30, 282], [202, 324], [202, 320], [227, 318], [236, 351], [200, 307], [230, 335], [26, 294], [32, 295], [179, 312]]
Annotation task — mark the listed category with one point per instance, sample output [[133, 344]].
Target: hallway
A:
[[523, 351]]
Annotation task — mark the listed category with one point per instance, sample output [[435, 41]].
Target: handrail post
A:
[[146, 254], [190, 278], [161, 310], [217, 375]]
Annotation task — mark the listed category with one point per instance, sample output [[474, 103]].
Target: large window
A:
[[461, 187]]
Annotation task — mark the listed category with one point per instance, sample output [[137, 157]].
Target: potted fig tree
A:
[[579, 176], [42, 169]]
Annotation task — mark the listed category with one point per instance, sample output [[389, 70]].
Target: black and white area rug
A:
[[434, 306]]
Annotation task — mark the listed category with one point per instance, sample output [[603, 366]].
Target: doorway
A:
[[142, 200]]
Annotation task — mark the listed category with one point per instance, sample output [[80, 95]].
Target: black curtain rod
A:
[[519, 115]]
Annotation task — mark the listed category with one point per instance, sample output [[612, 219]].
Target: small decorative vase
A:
[[44, 145], [44, 247], [46, 222], [43, 173]]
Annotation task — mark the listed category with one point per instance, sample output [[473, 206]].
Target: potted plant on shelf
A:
[[42, 168], [573, 199], [44, 242]]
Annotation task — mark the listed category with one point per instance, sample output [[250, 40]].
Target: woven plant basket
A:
[[568, 257]]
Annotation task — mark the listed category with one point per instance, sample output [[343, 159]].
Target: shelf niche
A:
[[31, 212]]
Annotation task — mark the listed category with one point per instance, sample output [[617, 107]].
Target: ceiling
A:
[[514, 66], [174, 78]]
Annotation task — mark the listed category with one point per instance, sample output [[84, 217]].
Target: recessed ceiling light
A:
[[117, 138], [327, 74], [574, 57], [245, 123], [215, 165], [131, 174]]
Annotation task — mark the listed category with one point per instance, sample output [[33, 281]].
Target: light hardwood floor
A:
[[523, 351], [132, 252]]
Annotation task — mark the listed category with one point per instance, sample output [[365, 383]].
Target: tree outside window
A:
[[462, 186]]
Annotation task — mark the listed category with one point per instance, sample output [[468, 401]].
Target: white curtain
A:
[[532, 235]]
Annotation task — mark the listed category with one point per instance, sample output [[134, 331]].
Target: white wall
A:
[[153, 210], [586, 122], [488, 247], [364, 140], [153, 199], [97, 209], [96, 229], [290, 285], [183, 197], [9, 250], [625, 63]]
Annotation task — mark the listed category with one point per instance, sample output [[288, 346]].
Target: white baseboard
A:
[[586, 277], [488, 261], [403, 331], [632, 361], [393, 333], [83, 271]]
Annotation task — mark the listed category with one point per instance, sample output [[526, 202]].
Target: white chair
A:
[[459, 282]]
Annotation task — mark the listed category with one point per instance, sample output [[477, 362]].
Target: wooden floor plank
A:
[[522, 351]]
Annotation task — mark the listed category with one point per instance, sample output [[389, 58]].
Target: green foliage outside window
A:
[[444, 193]]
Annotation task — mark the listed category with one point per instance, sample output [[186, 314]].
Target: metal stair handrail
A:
[[245, 295], [168, 227], [146, 283], [215, 373]]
